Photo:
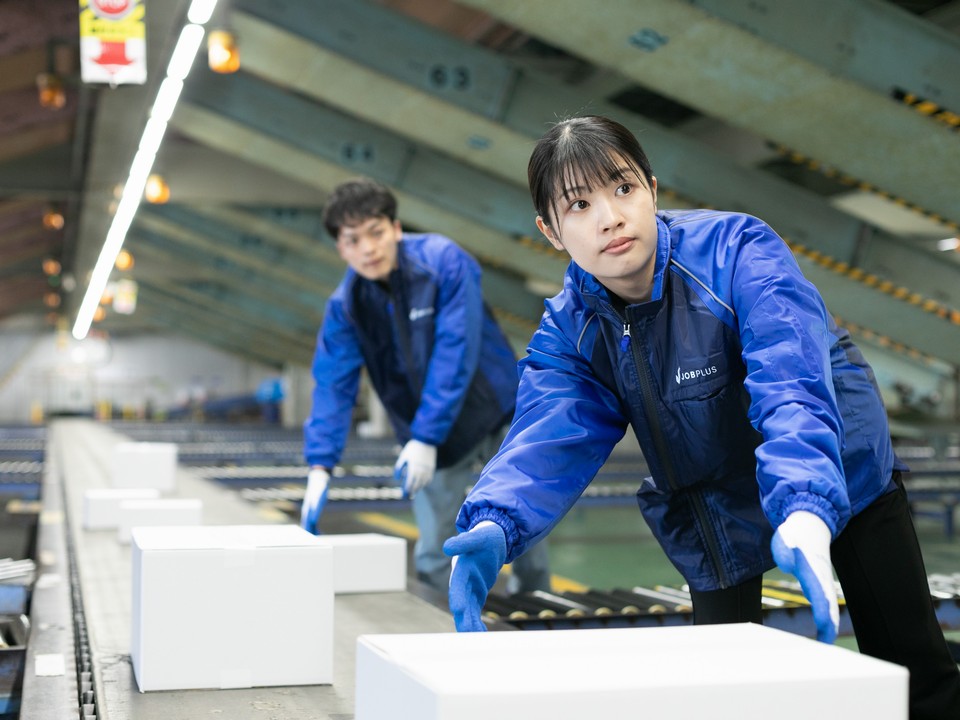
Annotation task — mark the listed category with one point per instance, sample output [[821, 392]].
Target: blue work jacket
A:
[[746, 398], [434, 353]]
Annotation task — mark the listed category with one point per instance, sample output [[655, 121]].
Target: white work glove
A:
[[801, 547], [415, 466], [314, 499]]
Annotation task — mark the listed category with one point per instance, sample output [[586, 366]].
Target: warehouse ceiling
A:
[[834, 120]]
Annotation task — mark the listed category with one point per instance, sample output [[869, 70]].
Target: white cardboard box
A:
[[721, 672], [101, 506], [159, 511], [367, 562], [231, 606], [144, 465]]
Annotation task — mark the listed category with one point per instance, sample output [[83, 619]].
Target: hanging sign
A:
[[113, 46]]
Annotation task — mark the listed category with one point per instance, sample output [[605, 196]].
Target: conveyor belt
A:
[[21, 478], [225, 445], [101, 586], [22, 451], [784, 607]]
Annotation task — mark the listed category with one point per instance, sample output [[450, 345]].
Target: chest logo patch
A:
[[686, 375], [417, 313]]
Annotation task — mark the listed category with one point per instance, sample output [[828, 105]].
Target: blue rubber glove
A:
[[801, 547], [478, 556], [415, 467], [314, 499]]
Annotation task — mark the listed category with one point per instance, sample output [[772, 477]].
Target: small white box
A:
[[722, 672], [160, 511], [144, 465], [231, 606], [101, 506], [367, 562]]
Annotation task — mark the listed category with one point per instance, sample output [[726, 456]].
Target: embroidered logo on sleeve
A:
[[418, 313]]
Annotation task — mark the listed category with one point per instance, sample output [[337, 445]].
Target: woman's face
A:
[[610, 231]]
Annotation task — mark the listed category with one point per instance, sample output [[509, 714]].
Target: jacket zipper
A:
[[660, 444], [401, 323]]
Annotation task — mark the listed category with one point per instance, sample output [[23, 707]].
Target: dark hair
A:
[[357, 200], [583, 151]]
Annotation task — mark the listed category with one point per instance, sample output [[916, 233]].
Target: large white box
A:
[[158, 511], [144, 465], [101, 506], [231, 606], [367, 562], [721, 672]]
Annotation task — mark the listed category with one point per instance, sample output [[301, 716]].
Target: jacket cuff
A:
[[508, 526], [815, 504]]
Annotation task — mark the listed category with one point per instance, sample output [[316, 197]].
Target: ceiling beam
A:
[[242, 330], [160, 259], [853, 39], [368, 149], [727, 72], [247, 251], [212, 127], [207, 331], [37, 137], [20, 70]]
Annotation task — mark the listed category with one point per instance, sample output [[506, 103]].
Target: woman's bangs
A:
[[584, 168]]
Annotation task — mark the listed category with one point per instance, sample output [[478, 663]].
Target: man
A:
[[410, 309]]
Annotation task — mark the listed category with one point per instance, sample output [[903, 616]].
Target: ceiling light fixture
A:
[[181, 61], [52, 219], [157, 190], [50, 91], [223, 55], [51, 266], [124, 260]]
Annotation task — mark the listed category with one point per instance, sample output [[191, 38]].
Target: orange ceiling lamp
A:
[[50, 91], [223, 55], [156, 191], [51, 266], [124, 260], [52, 219]]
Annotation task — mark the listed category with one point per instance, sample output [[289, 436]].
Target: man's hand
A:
[[314, 499], [478, 556], [415, 466], [801, 547]]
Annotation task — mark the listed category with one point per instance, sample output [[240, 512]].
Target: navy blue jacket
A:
[[435, 355], [747, 400]]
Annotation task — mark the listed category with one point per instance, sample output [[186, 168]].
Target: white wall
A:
[[51, 371]]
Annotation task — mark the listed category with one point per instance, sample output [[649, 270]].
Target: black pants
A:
[[878, 563]]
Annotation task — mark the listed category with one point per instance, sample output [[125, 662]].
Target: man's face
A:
[[611, 232], [370, 247]]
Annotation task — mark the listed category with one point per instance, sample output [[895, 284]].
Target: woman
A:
[[760, 420]]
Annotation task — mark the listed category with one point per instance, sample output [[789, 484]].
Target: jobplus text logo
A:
[[683, 375]]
